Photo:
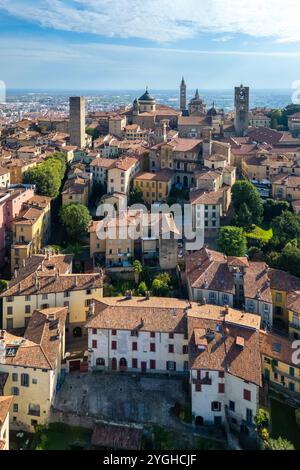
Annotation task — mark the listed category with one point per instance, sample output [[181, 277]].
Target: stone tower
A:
[[77, 121], [182, 95], [241, 107]]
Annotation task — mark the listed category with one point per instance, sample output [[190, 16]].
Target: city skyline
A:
[[214, 46]]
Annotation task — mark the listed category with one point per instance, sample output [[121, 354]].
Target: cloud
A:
[[164, 20]]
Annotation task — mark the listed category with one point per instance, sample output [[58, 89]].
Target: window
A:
[[9, 310], [221, 388], [114, 345], [88, 292], [247, 395], [249, 416], [15, 391], [171, 335], [232, 406], [15, 377], [278, 297], [152, 334], [9, 323], [9, 299], [27, 309], [171, 348], [171, 366], [152, 347], [15, 408], [45, 296], [292, 386], [34, 410], [66, 304], [100, 361], [152, 364], [94, 344], [134, 346], [66, 294], [134, 363], [25, 380], [221, 374], [94, 331], [34, 381], [185, 349], [215, 406], [292, 371], [198, 387], [114, 332], [27, 298], [134, 333]]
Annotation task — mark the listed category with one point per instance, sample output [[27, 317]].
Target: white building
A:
[[225, 366], [120, 175], [138, 334], [99, 169]]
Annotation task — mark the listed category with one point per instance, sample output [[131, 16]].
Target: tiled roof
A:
[[222, 353], [117, 436], [5, 404], [154, 314], [163, 175], [41, 342], [205, 197], [103, 162], [257, 282], [276, 347]]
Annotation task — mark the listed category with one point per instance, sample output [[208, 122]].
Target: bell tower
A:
[[182, 95], [241, 107]]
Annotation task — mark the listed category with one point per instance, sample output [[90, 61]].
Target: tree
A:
[[244, 194], [75, 219], [285, 227], [279, 444], [142, 288], [274, 209], [137, 269], [232, 241], [3, 285], [262, 418], [48, 175], [289, 258], [161, 284], [136, 196], [297, 415]]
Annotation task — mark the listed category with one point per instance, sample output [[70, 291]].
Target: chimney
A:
[[147, 294]]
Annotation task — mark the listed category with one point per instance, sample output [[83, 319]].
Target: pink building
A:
[[11, 201]]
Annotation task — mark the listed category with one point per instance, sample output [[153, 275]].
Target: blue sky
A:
[[126, 44]]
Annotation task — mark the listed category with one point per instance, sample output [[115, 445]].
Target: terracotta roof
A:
[[103, 162], [191, 120], [208, 174], [125, 163], [257, 282], [208, 198], [216, 158], [40, 345], [184, 145], [287, 180], [163, 175], [5, 404], [265, 134], [3, 171], [117, 436], [283, 281], [208, 269], [45, 283], [154, 314], [276, 347], [223, 327]]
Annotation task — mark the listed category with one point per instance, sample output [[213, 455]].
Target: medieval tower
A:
[[182, 95], [241, 107]]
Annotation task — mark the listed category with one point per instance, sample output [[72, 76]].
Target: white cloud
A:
[[164, 20]]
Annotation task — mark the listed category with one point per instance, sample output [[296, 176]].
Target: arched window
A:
[[100, 361], [123, 363]]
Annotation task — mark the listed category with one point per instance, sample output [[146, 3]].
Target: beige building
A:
[[156, 186], [32, 366], [4, 177], [120, 175], [286, 187], [45, 282], [116, 126], [5, 406], [76, 190], [31, 229]]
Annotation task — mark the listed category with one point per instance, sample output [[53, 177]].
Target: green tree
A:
[[137, 269], [289, 258], [142, 288], [136, 196], [285, 227], [75, 219], [274, 209], [232, 241], [262, 418], [279, 444], [244, 194], [3, 285], [48, 175], [297, 415]]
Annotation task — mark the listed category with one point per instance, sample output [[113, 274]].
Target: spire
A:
[[197, 94], [182, 81]]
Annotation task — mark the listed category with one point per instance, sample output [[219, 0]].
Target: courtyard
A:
[[123, 397]]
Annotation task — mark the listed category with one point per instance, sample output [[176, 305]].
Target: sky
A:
[[128, 44]]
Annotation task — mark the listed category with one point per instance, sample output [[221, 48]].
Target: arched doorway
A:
[[77, 332], [100, 362], [114, 363], [199, 421], [123, 364]]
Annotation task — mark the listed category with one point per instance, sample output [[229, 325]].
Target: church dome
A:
[[146, 96], [212, 112]]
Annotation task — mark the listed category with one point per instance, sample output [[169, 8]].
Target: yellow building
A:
[[277, 362], [31, 229], [76, 190], [32, 365], [155, 187], [282, 286], [286, 187], [293, 305], [5, 405], [17, 168]]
